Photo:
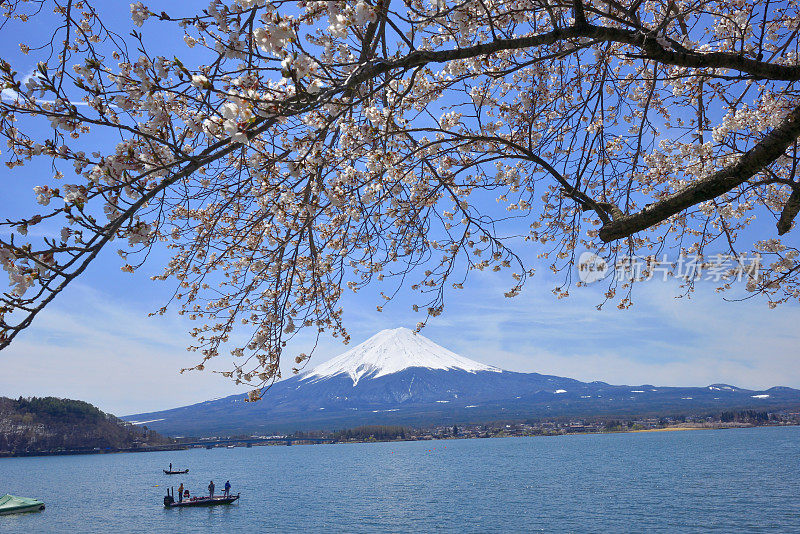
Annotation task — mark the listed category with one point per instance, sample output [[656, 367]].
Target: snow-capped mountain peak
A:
[[391, 351]]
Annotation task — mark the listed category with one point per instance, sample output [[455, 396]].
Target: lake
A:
[[741, 480]]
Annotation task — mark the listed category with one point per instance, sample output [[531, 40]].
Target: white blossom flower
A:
[[198, 80], [315, 86], [43, 194], [364, 13], [229, 110], [139, 13]]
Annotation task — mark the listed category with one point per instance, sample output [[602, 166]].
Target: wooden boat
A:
[[166, 472], [10, 504], [169, 500]]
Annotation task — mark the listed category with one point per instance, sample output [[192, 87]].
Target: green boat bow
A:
[[11, 504]]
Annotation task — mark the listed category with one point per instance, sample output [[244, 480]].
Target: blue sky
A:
[[96, 342]]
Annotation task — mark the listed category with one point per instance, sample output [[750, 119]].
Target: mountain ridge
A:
[[399, 377]]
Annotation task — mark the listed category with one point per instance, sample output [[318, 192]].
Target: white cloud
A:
[[11, 95], [662, 340], [110, 354]]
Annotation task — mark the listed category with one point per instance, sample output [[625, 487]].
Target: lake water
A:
[[743, 480]]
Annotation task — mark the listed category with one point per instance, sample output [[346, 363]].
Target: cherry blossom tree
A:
[[288, 152]]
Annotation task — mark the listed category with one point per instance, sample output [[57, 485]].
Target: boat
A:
[[167, 472], [169, 500], [11, 504]]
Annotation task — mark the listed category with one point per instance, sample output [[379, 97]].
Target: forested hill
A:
[[50, 424]]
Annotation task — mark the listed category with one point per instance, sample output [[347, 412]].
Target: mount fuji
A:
[[393, 351], [400, 377]]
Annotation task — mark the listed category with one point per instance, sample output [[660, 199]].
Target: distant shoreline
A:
[[301, 441], [680, 428], [26, 454]]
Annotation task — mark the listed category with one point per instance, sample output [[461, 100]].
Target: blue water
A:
[[744, 480]]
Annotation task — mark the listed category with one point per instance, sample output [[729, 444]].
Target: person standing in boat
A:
[[180, 493], [170, 468], [211, 488], [228, 488]]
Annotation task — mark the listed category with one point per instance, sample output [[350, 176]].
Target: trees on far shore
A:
[[48, 424]]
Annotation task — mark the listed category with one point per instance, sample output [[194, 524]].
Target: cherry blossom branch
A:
[[766, 151]]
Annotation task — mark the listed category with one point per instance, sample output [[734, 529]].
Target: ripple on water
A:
[[731, 481]]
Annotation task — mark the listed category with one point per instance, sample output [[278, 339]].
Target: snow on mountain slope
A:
[[391, 351]]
